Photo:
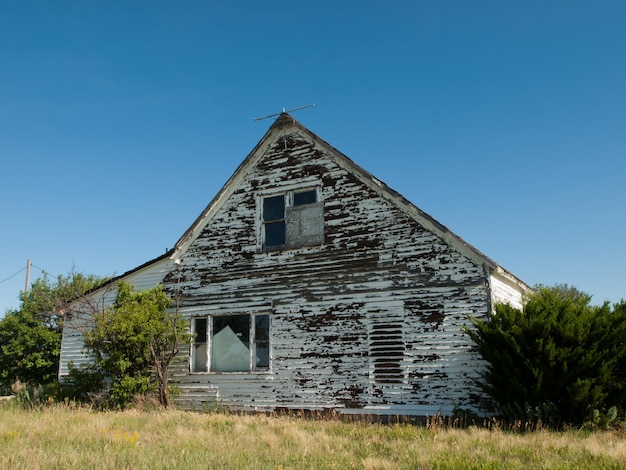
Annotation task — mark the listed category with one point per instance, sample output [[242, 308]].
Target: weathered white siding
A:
[[369, 321], [507, 290], [367, 311], [72, 344]]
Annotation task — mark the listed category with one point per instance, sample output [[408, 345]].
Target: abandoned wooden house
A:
[[311, 285]]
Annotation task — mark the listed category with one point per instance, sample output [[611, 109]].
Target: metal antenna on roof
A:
[[283, 112]]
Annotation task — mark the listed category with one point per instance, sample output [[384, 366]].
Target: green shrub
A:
[[611, 420], [556, 360], [30, 337], [133, 343], [85, 384]]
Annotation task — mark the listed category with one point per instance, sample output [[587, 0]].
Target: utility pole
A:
[[27, 275]]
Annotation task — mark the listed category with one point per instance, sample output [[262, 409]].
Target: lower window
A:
[[231, 343]]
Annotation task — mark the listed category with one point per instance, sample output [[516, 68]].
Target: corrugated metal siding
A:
[[72, 344], [379, 279]]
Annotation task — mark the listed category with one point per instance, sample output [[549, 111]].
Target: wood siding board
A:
[[368, 317], [507, 290], [334, 305]]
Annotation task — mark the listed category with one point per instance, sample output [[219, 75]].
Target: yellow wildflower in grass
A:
[[8, 436], [123, 437]]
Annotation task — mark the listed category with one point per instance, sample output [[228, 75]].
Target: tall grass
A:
[[64, 437]]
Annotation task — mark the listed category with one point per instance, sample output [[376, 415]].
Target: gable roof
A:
[[286, 124]]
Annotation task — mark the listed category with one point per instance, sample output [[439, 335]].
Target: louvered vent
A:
[[387, 352]]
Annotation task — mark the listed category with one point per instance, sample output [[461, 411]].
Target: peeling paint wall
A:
[[369, 321]]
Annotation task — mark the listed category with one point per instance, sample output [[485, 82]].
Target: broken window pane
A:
[[238, 343], [230, 344]]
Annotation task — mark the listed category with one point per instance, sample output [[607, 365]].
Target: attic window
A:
[[274, 220], [231, 343], [292, 219]]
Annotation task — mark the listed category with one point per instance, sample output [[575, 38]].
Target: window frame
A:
[[288, 192], [275, 221], [208, 344]]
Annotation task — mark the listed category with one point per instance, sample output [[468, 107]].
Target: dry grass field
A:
[[58, 437]]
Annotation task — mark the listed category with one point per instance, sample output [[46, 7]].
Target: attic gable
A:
[[284, 140], [279, 130]]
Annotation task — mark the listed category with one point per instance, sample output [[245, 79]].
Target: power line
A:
[[12, 276], [42, 270], [23, 269]]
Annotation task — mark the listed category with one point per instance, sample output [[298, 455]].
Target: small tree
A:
[[558, 358], [29, 350], [135, 341], [30, 337]]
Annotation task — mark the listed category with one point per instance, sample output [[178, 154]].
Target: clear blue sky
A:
[[505, 121]]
